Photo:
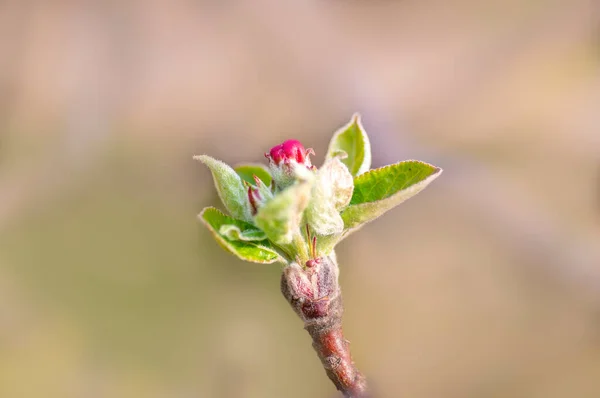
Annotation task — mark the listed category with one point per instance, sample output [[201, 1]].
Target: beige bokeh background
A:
[[485, 285]]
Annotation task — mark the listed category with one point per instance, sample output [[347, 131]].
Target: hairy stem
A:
[[314, 293]]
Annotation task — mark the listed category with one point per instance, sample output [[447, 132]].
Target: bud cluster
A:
[[294, 213], [269, 208]]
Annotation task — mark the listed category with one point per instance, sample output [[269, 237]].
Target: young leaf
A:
[[280, 217], [331, 193], [353, 140], [233, 232], [379, 190], [253, 251], [230, 188], [248, 171]]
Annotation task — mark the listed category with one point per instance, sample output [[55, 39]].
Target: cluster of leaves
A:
[[302, 204]]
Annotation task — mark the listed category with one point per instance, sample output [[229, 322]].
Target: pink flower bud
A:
[[290, 150], [287, 162]]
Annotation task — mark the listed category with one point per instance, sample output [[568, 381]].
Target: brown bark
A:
[[314, 294], [334, 351]]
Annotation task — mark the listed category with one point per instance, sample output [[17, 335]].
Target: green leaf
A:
[[378, 191], [253, 251], [353, 140], [230, 188], [249, 170], [331, 193], [233, 232], [280, 217]]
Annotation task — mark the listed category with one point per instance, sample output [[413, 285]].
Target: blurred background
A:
[[487, 284]]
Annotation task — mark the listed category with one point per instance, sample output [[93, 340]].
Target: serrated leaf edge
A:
[[436, 171], [418, 187]]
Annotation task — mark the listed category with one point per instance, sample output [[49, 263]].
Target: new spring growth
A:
[[288, 152], [294, 213], [289, 161]]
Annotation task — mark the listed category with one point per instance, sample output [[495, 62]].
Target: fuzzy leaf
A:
[[353, 140], [230, 188], [379, 190], [331, 193], [280, 217], [253, 251], [248, 171], [233, 232]]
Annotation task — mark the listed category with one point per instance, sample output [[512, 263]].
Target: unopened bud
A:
[[254, 198], [258, 195], [290, 150], [287, 161]]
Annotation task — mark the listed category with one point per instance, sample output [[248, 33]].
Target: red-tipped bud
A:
[[254, 197], [258, 195], [287, 162], [288, 151]]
